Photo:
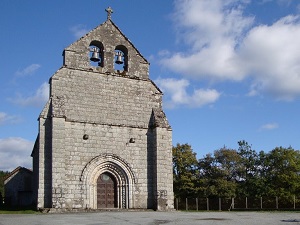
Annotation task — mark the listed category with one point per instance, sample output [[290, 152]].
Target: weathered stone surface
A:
[[18, 188], [103, 120]]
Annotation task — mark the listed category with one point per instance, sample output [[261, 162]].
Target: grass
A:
[[17, 210]]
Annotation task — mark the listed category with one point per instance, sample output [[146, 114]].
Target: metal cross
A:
[[109, 12]]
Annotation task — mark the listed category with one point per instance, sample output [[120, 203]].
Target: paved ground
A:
[[155, 218]]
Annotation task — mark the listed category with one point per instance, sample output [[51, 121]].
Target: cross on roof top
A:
[[109, 12]]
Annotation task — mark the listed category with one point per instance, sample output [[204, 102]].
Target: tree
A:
[[251, 181], [242, 172], [184, 171], [249, 160], [2, 176], [282, 171], [219, 172]]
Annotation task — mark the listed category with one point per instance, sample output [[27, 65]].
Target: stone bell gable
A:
[[107, 39], [104, 140]]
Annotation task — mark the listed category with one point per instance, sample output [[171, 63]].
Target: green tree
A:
[[184, 171], [251, 181], [242, 172], [219, 173], [2, 176], [249, 160], [282, 172]]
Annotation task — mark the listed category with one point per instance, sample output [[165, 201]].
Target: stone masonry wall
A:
[[103, 99], [111, 111], [164, 172], [101, 139]]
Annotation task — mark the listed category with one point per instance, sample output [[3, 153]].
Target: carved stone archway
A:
[[119, 169]]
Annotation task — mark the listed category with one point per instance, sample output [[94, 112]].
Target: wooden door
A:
[[106, 191]]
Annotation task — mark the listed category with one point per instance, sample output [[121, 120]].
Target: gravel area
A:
[[155, 218]]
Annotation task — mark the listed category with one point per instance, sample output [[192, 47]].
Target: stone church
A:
[[104, 140]]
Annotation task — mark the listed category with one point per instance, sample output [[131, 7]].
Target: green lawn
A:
[[10, 210]]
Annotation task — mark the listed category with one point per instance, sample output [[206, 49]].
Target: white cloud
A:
[[225, 45], [29, 70], [5, 118], [212, 29], [176, 94], [79, 30], [270, 54], [38, 99], [14, 152], [269, 126]]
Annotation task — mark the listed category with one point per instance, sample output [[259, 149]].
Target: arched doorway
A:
[[106, 191], [118, 171]]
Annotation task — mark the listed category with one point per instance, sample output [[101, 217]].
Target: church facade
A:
[[104, 140]]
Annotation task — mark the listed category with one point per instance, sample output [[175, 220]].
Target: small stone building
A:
[[104, 140], [18, 187]]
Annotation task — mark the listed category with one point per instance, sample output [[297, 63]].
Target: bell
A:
[[95, 55], [119, 58]]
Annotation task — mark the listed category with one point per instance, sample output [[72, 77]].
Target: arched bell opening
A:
[[96, 54], [121, 58]]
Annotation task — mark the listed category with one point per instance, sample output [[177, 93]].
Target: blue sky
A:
[[229, 69]]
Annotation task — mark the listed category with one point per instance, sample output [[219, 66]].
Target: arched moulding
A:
[[119, 169]]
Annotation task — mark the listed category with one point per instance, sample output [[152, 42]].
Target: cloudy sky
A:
[[229, 69]]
